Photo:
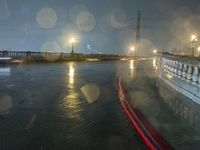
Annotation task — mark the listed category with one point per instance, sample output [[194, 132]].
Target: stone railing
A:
[[188, 72], [179, 85], [181, 73]]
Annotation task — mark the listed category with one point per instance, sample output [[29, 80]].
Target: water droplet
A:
[[46, 18], [91, 92]]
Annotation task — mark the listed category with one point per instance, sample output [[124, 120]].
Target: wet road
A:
[[63, 106], [167, 119]]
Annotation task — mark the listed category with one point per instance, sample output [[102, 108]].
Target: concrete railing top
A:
[[194, 61], [182, 73]]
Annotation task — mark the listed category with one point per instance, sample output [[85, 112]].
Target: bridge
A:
[[180, 76], [29, 56]]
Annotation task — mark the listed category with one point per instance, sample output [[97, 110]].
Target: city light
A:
[[193, 38], [154, 63], [131, 64], [198, 49], [71, 73], [72, 40], [154, 51], [132, 48]]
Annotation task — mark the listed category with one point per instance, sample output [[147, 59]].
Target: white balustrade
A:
[[187, 72], [180, 67], [195, 75], [183, 73]]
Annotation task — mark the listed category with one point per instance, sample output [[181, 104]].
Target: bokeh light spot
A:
[[51, 51], [46, 18], [74, 11], [85, 21], [5, 103], [91, 92], [118, 19], [4, 11]]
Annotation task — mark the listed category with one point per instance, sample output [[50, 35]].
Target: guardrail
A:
[[188, 72], [184, 75], [24, 54], [179, 85]]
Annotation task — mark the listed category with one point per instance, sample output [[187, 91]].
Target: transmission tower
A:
[[138, 27]]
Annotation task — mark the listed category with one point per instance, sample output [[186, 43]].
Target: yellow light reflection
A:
[[169, 76], [71, 101], [193, 37], [132, 68], [131, 64], [155, 67], [93, 59], [123, 59], [71, 73], [72, 40], [154, 63], [198, 49]]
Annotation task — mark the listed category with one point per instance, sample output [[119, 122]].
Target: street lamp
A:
[[193, 43], [132, 49], [198, 49], [155, 51], [72, 41]]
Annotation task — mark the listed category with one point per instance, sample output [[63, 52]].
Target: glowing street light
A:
[[72, 41], [198, 49], [193, 40], [132, 49], [155, 51]]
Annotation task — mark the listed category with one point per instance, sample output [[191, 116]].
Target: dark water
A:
[[63, 106]]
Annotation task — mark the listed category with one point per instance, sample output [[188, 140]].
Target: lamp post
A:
[[155, 51], [132, 49], [72, 41], [198, 51], [193, 44]]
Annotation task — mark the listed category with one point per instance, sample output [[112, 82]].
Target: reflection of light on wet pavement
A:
[[72, 100], [91, 92], [154, 63], [31, 122], [93, 59], [155, 67], [132, 68], [5, 103], [10, 85], [124, 59], [169, 76], [131, 64], [71, 73], [5, 71]]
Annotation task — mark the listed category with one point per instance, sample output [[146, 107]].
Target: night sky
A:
[[99, 26]]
